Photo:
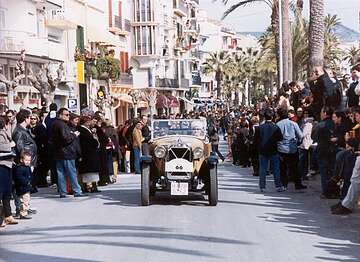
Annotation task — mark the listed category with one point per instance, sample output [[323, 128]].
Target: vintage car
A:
[[180, 160]]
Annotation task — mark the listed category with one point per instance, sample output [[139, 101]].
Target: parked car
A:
[[180, 161]]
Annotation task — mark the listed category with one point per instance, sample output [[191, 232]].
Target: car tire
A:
[[145, 185], [213, 186]]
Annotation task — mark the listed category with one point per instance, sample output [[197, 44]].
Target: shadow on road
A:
[[306, 213], [108, 235]]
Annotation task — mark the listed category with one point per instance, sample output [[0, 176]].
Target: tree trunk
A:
[[275, 30], [218, 88], [286, 37], [316, 41]]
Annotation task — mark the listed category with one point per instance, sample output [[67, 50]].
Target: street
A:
[[246, 225]]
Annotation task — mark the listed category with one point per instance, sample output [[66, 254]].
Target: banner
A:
[[80, 72]]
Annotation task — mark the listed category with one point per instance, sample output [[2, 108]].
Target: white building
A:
[[40, 28], [165, 37]]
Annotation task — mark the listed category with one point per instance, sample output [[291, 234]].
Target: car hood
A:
[[173, 140]]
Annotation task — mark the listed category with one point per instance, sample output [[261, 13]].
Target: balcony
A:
[[57, 18], [180, 8], [15, 41], [125, 79], [167, 82], [117, 29], [127, 25], [191, 26]]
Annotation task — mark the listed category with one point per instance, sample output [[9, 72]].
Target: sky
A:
[[256, 17]]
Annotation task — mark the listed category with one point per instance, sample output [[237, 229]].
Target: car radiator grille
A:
[[179, 152]]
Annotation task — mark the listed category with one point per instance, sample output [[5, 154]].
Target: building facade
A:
[[165, 58]]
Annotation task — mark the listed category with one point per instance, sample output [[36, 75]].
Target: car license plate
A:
[[179, 189]]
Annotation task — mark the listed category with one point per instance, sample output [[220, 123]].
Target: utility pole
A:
[[281, 69]]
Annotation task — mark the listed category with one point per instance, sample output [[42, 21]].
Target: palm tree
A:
[[316, 33], [300, 40], [217, 63], [273, 5], [332, 53], [352, 55], [266, 65]]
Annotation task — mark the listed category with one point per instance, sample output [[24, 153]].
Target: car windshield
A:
[[176, 127]]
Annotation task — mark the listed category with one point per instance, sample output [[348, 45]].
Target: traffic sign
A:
[[72, 104]]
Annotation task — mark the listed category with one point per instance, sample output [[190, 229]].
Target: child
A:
[[22, 181]]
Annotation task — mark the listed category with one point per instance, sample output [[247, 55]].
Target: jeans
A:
[[67, 167], [6, 209], [215, 149], [289, 168], [326, 167], [137, 160], [303, 162], [275, 164], [354, 190]]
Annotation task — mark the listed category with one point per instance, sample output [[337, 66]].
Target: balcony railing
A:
[[191, 25], [57, 18], [167, 82], [127, 25], [118, 22], [125, 79], [180, 8]]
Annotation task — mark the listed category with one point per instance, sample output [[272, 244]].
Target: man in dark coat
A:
[[65, 152], [146, 133], [22, 137], [323, 134], [353, 99], [267, 138], [89, 164]]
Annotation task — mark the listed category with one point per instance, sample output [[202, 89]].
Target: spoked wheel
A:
[[145, 185], [213, 187]]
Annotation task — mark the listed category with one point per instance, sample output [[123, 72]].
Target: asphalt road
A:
[[245, 226]]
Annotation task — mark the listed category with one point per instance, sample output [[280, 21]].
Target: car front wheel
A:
[[145, 185], [213, 187]]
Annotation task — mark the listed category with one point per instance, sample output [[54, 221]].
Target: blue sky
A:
[[256, 17]]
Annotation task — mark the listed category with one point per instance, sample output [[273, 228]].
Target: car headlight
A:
[[160, 152], [198, 152]]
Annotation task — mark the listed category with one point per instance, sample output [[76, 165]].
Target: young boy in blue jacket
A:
[[22, 180]]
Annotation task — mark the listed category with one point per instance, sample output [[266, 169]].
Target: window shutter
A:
[[110, 14]]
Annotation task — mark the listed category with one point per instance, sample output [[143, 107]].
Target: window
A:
[[138, 40], [20, 95], [148, 10], [124, 61], [34, 95], [54, 38], [182, 69], [143, 10], [143, 39], [2, 18], [137, 15], [80, 38], [144, 36]]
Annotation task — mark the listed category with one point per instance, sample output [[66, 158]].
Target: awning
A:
[[26, 89], [186, 100], [102, 37], [167, 101], [125, 98]]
